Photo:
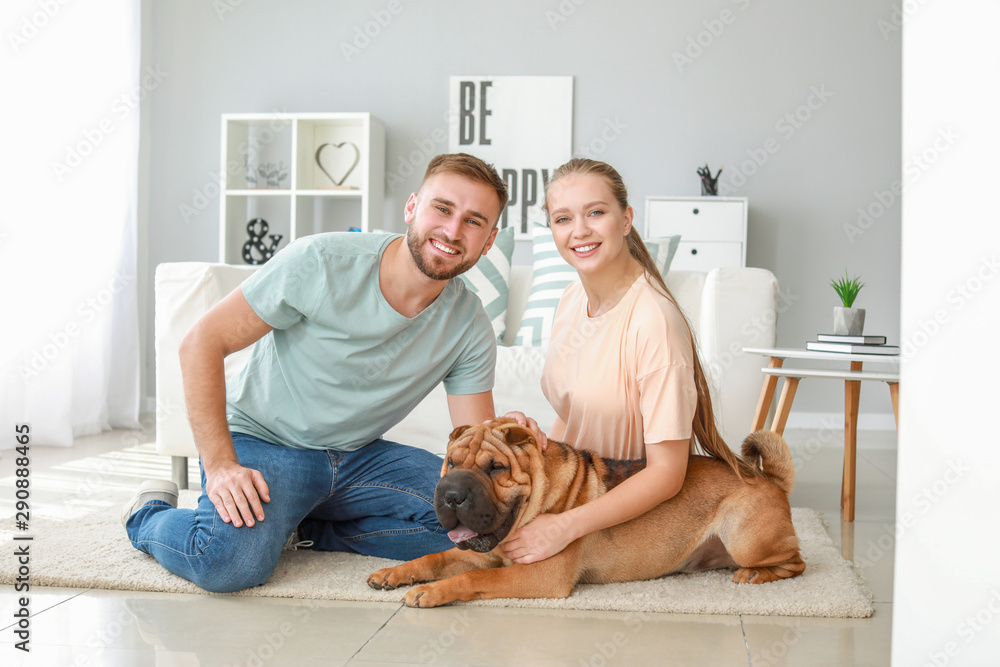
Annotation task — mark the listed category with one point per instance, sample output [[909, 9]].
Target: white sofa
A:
[[729, 308]]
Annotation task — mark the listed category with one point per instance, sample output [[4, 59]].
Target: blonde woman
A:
[[621, 370]]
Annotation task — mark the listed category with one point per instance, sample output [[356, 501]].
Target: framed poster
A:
[[523, 125]]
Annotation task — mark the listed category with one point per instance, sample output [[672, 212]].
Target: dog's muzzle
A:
[[467, 510]]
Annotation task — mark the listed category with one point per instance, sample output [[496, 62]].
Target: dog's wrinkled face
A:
[[485, 483]]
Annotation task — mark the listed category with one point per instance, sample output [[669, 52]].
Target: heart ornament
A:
[[336, 162]]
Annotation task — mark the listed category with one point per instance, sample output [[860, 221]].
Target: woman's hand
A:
[[531, 425], [542, 537]]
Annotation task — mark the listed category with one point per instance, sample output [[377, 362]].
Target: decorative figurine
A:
[[357, 158], [256, 242], [273, 174]]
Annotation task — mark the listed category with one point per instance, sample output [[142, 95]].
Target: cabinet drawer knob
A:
[[696, 211], [694, 251]]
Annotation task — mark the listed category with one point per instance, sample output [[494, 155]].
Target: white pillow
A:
[[551, 274], [489, 279]]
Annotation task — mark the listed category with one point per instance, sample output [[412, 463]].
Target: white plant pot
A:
[[848, 321]]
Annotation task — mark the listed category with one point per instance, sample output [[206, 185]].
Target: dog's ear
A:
[[516, 435], [457, 432]]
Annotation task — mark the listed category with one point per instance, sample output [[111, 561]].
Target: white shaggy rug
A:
[[92, 551]]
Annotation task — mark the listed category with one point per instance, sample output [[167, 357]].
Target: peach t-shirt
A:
[[622, 379]]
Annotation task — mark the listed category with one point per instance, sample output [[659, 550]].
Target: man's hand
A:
[[236, 493], [542, 537], [531, 425]]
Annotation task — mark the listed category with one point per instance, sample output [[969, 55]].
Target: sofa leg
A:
[[179, 471]]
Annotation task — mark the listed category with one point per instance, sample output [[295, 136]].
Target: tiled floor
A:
[[98, 627]]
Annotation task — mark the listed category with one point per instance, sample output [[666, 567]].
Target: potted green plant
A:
[[847, 320]]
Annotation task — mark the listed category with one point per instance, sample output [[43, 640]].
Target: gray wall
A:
[[745, 93]]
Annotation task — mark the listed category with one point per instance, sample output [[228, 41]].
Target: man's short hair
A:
[[472, 168]]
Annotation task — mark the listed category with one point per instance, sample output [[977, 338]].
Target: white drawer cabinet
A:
[[713, 230]]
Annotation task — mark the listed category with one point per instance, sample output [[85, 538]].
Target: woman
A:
[[621, 369]]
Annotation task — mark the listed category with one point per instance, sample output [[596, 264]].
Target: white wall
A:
[[817, 82], [947, 589]]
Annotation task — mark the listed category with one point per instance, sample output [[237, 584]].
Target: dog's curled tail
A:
[[767, 452]]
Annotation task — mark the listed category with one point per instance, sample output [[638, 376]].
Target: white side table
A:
[[852, 392]]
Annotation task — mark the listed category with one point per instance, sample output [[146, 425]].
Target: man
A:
[[351, 331]]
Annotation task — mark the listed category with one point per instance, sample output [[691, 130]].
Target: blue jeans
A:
[[377, 501]]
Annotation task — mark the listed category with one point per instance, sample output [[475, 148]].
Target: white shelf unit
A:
[[307, 201], [713, 230]]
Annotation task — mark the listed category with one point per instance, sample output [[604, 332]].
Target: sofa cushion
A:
[[686, 287], [489, 279], [550, 276]]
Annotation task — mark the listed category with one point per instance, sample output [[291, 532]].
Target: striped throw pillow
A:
[[551, 274], [662, 250], [489, 279]]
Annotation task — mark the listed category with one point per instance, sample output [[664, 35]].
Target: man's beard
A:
[[417, 248]]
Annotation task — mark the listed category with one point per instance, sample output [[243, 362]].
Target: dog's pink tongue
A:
[[461, 534]]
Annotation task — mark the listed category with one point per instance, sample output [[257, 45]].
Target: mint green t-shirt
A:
[[342, 366]]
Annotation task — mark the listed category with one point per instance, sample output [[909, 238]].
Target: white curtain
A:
[[69, 332]]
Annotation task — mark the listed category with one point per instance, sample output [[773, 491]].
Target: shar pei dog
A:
[[496, 478]]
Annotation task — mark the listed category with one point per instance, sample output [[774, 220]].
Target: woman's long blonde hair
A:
[[704, 427]]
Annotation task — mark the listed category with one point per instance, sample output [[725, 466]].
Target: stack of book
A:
[[851, 344]]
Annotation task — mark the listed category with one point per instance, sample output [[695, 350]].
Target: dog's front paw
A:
[[427, 595], [389, 578]]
